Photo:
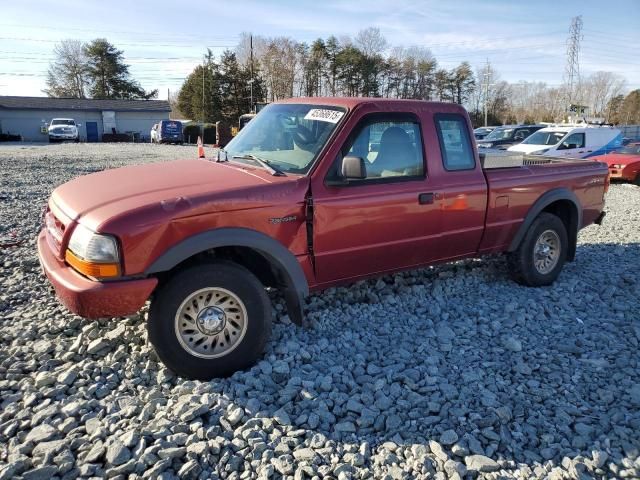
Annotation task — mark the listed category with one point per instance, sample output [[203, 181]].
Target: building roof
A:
[[48, 103]]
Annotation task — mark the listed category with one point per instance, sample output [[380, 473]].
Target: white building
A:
[[29, 116]]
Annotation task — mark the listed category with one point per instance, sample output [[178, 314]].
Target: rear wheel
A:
[[541, 255], [210, 321]]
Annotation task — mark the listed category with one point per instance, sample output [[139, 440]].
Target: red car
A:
[[312, 193], [624, 164]]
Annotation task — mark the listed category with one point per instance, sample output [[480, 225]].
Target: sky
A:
[[163, 40]]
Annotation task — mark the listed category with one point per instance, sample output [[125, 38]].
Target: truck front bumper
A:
[[89, 298]]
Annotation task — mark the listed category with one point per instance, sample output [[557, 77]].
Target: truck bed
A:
[[515, 183]]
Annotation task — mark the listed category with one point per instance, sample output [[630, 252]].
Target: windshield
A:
[[287, 136], [500, 134], [63, 122], [634, 148], [545, 138]]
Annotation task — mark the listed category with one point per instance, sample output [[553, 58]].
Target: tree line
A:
[[92, 70], [280, 67], [368, 66]]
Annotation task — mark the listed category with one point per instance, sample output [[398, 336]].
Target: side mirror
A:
[[350, 168], [78, 124], [353, 168]]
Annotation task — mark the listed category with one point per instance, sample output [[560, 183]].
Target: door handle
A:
[[426, 198]]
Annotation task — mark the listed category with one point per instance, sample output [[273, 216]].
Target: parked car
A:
[[63, 129], [572, 141], [167, 131], [300, 201], [482, 132], [504, 137], [624, 163]]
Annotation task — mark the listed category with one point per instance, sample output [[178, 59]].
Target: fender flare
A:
[[539, 205], [286, 264]]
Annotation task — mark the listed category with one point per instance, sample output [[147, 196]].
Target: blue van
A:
[[167, 131]]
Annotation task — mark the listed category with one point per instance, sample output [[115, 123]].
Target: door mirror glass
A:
[[353, 168]]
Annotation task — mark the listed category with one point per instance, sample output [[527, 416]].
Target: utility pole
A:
[[487, 79], [251, 69], [572, 67], [202, 116]]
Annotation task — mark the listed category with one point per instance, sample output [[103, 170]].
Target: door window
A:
[[391, 149], [455, 144], [521, 134], [575, 140]]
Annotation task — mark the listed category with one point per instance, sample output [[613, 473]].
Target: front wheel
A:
[[541, 255], [210, 320]]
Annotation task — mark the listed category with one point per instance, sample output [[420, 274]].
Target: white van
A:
[[574, 141]]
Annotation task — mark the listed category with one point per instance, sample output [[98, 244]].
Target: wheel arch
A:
[[561, 202], [267, 258]]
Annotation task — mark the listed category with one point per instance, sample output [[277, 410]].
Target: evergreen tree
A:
[[333, 49], [109, 75], [463, 82], [199, 98]]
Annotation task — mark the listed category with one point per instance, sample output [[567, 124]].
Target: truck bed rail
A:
[[501, 159]]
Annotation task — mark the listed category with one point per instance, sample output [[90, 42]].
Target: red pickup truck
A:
[[312, 193]]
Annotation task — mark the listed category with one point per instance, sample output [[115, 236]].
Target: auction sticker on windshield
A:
[[324, 115]]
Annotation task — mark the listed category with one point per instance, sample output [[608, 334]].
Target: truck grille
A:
[[54, 232]]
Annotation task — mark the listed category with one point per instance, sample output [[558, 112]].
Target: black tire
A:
[[167, 300], [637, 180], [521, 262]]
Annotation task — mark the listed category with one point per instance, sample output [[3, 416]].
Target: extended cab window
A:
[[575, 140], [391, 149], [455, 145]]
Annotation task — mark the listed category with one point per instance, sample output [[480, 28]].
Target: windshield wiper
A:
[[266, 164]]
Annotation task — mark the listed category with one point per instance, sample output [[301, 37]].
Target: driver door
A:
[[388, 220], [573, 146]]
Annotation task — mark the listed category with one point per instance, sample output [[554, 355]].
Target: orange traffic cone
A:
[[200, 148]]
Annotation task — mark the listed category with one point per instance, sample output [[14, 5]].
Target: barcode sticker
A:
[[324, 115]]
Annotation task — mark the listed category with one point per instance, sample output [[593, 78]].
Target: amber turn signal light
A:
[[92, 269]]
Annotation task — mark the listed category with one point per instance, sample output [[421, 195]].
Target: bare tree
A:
[[600, 88], [279, 64], [371, 42], [68, 72]]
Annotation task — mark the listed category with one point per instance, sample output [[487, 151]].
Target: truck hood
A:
[[172, 189], [526, 148]]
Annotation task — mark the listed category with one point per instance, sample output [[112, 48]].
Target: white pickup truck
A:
[[63, 129]]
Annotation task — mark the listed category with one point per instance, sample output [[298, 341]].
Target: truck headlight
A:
[[93, 254]]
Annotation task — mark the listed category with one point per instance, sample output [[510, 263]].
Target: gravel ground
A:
[[448, 372]]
